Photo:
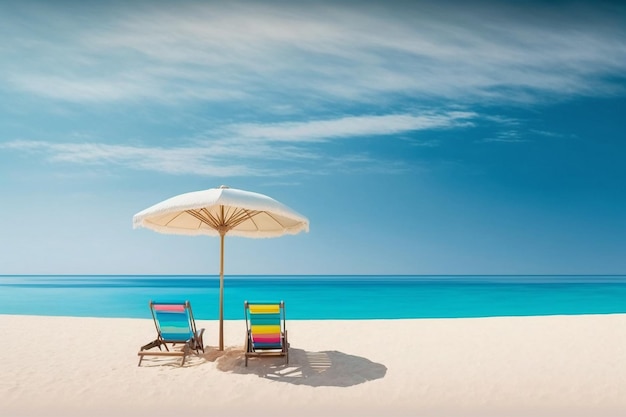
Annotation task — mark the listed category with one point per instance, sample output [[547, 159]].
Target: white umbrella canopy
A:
[[221, 211]]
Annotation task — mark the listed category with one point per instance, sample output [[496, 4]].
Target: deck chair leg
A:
[[185, 353], [286, 347], [200, 340], [246, 348]]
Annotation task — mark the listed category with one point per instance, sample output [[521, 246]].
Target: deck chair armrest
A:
[[154, 343], [199, 334], [197, 339]]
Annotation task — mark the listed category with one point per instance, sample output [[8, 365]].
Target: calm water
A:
[[318, 297]]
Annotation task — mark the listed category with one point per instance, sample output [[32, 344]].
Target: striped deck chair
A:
[[266, 333], [175, 325]]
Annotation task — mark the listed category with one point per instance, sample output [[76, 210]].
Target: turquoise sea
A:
[[318, 296]]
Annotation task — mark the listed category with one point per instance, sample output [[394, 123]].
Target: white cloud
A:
[[248, 150], [81, 90], [182, 160], [310, 53], [509, 136], [320, 130]]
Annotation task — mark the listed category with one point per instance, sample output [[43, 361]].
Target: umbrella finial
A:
[[223, 187]]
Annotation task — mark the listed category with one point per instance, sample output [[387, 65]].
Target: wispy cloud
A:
[[508, 136], [306, 54], [548, 134], [320, 130], [248, 150], [83, 90], [514, 135], [182, 160]]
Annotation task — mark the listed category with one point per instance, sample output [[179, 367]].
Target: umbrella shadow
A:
[[316, 369]]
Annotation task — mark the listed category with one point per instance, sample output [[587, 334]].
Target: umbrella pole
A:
[[221, 347]]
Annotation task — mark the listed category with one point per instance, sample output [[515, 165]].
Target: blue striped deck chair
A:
[[175, 325], [266, 333]]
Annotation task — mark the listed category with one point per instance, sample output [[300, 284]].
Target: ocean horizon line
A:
[[317, 275]]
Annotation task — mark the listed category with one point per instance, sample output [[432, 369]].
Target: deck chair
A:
[[175, 325], [266, 333]]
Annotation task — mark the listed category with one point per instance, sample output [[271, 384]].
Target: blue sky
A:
[[423, 137]]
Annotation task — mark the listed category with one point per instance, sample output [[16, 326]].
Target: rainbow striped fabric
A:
[[265, 325], [173, 321]]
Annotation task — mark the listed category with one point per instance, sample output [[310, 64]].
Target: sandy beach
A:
[[514, 366]]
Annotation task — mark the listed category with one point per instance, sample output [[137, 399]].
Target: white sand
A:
[[527, 366]]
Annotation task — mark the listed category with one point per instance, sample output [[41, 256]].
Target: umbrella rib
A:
[[214, 220], [210, 221], [241, 216], [237, 217], [275, 219], [173, 218]]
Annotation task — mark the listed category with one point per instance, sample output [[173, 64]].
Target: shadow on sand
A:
[[316, 369]]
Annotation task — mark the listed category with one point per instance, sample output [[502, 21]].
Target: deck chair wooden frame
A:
[[175, 324], [266, 331]]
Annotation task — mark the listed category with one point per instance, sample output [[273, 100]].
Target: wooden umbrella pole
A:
[[221, 347]]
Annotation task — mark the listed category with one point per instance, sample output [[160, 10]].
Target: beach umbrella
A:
[[218, 212]]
